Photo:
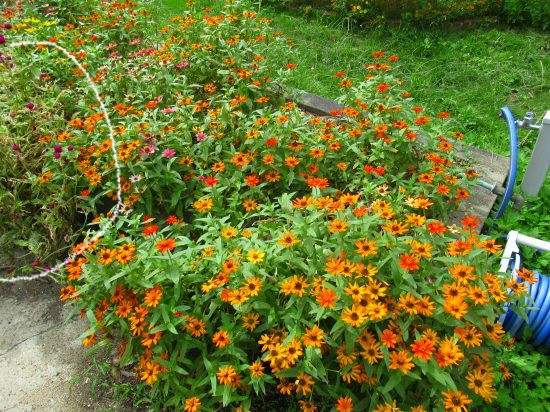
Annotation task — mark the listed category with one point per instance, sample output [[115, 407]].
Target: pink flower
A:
[[169, 153], [201, 136]]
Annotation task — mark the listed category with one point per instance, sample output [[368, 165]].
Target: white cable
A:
[[116, 209]]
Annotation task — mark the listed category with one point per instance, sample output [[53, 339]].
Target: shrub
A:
[[37, 185], [261, 247], [527, 12]]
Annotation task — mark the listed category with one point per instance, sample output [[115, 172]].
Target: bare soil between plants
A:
[[43, 366]]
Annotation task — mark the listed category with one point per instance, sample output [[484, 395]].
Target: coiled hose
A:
[[538, 315]]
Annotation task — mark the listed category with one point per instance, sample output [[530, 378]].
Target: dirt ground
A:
[[43, 366]]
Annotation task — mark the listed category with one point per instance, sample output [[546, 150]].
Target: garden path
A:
[[42, 367]]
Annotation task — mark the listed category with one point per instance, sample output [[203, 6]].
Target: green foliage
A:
[[417, 12], [529, 379], [42, 217], [527, 13]]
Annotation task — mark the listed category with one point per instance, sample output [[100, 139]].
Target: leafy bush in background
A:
[[527, 13], [434, 12]]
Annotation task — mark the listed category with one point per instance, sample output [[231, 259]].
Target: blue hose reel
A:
[[538, 317]]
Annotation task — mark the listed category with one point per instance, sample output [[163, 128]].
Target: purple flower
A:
[[2, 39], [57, 149], [15, 148], [70, 148], [43, 75], [169, 153], [56, 155], [201, 136], [30, 106], [7, 26]]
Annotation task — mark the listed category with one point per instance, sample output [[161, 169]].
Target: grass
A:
[[470, 73]]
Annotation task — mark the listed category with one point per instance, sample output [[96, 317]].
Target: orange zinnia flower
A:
[[344, 405], [401, 360], [165, 245], [192, 404], [423, 349], [389, 339], [153, 296], [326, 298], [226, 374], [221, 339], [303, 383], [337, 225], [313, 337]]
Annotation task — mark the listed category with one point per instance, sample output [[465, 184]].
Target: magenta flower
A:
[[169, 153], [30, 106], [15, 148]]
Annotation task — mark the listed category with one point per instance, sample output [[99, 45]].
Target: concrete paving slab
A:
[[43, 366]]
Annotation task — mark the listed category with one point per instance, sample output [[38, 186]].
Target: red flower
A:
[[165, 245], [408, 262], [290, 66], [436, 227], [411, 136], [150, 230], [423, 349], [210, 181], [470, 221], [382, 87], [378, 53], [444, 115], [271, 142], [340, 74], [172, 220], [252, 180]]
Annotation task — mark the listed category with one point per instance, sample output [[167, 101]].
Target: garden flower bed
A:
[[245, 246]]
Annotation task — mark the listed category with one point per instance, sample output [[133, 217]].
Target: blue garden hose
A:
[[539, 318], [509, 117]]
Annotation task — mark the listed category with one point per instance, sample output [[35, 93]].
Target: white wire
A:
[[116, 209]]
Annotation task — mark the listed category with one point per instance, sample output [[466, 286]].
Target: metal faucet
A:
[[527, 122]]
